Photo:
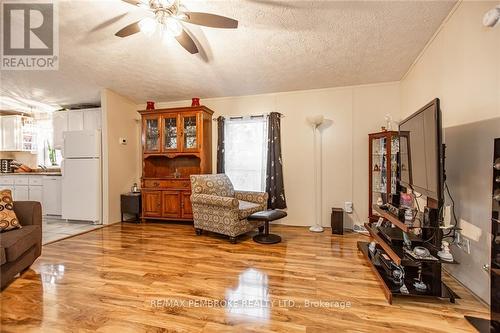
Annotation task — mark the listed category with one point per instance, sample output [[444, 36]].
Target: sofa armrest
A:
[[28, 212], [255, 197], [214, 200]]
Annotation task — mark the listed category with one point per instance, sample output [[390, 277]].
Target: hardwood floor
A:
[[162, 278]]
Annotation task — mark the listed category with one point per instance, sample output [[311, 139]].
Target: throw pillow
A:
[[8, 218]]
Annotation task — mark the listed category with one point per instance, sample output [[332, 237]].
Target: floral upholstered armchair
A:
[[217, 207]]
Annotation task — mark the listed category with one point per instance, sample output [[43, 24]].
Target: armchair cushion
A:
[[255, 197], [214, 200], [8, 218], [218, 184], [247, 208]]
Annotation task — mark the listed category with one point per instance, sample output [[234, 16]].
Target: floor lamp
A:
[[316, 122]]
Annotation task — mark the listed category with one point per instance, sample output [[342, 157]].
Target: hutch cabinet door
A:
[[171, 204], [151, 201], [187, 209], [170, 131], [190, 132], [151, 134]]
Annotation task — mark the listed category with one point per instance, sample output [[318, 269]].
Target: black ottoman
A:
[[267, 216]]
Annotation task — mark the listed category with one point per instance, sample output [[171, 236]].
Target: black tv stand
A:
[[431, 270]]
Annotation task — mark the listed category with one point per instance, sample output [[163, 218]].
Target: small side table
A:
[[131, 204]]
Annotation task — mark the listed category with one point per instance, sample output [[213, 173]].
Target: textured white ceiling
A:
[[280, 46]]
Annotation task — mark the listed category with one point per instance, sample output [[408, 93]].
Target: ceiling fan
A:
[[168, 15]]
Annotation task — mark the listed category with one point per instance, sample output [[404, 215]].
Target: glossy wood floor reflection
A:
[[163, 278]]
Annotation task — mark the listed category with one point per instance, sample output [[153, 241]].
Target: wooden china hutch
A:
[[176, 143]]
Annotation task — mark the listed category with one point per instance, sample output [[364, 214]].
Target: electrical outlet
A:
[[463, 243]]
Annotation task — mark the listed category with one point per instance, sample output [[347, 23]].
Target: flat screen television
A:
[[421, 152]]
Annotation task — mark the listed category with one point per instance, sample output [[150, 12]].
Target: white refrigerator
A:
[[81, 176]]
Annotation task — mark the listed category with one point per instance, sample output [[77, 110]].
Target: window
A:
[[246, 152], [44, 139]]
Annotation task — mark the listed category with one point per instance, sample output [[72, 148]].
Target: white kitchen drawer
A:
[[5, 180], [20, 180], [7, 187], [35, 180]]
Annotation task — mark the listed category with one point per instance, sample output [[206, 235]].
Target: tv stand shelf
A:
[[391, 218], [391, 290]]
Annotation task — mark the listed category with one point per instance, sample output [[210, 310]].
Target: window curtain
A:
[[274, 178], [220, 144]]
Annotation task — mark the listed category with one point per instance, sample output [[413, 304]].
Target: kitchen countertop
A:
[[48, 173]]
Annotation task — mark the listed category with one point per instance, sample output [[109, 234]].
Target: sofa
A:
[[217, 207], [19, 248]]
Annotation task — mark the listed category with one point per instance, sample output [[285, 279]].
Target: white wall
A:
[[462, 67], [121, 163], [355, 111]]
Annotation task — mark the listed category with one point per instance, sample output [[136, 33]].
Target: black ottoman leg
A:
[[198, 231], [232, 240], [266, 237]]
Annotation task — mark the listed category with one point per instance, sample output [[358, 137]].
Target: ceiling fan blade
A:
[[129, 30], [132, 2], [187, 42], [210, 20]]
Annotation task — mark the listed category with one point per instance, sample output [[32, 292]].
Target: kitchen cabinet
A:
[[52, 198], [21, 193], [18, 133], [92, 119], [59, 125], [35, 193], [75, 120], [44, 189]]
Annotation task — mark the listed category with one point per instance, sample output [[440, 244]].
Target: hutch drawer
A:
[[167, 184]]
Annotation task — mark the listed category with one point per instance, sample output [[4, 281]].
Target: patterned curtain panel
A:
[[274, 178], [220, 144]]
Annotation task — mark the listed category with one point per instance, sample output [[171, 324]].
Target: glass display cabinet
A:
[[382, 168], [176, 144], [151, 135], [190, 132], [170, 137]]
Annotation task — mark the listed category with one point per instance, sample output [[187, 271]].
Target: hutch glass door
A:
[[189, 132], [152, 135], [170, 140]]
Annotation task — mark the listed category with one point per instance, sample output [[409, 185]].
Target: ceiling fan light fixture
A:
[[143, 4], [173, 27], [166, 3], [147, 26]]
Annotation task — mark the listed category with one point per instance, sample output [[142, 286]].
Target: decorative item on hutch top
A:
[[176, 143], [195, 101], [150, 105]]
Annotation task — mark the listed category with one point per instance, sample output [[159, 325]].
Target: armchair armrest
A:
[[255, 197], [214, 200], [28, 212]]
